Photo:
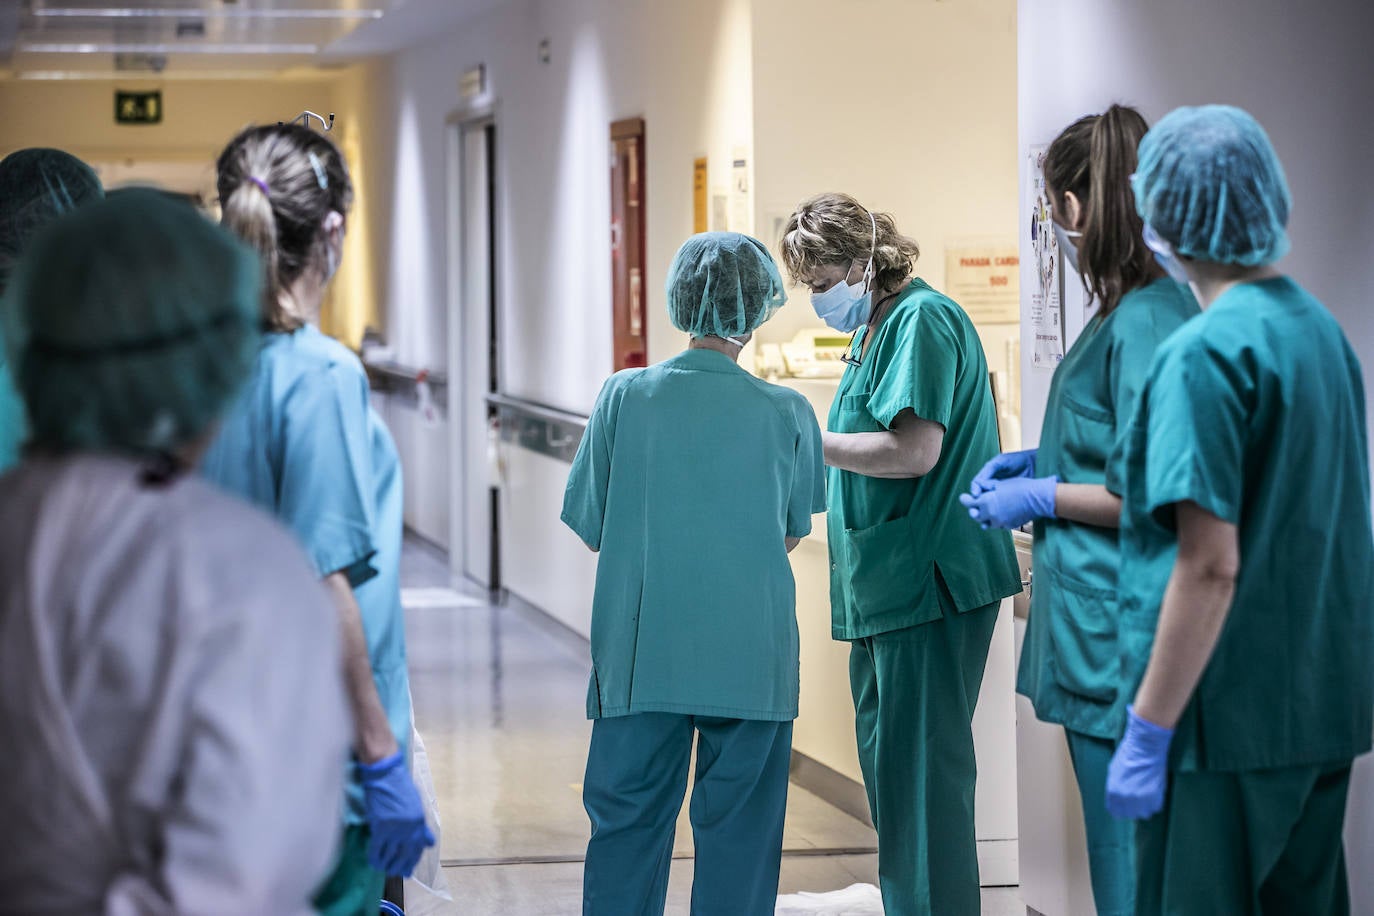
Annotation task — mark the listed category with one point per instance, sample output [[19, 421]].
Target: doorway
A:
[[474, 348]]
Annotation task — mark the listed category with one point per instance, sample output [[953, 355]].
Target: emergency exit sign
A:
[[138, 107]]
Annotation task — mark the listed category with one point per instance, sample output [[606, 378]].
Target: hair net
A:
[[36, 187], [723, 284], [1210, 183], [131, 325]]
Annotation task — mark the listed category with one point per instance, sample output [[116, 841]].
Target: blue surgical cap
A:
[[131, 324], [36, 187], [1210, 183], [723, 284]]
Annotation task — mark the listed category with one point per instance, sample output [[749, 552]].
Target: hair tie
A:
[[262, 185], [321, 176]]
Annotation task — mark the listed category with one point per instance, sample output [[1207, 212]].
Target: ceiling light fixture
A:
[[221, 13], [55, 47]]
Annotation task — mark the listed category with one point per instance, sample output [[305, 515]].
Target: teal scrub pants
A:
[[914, 694], [1111, 842], [636, 777], [353, 888], [1264, 842]]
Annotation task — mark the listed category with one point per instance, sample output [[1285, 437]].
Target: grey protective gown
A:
[[172, 714]]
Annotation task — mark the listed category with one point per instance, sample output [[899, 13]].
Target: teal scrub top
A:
[[893, 543], [1069, 658], [691, 475], [12, 423], [1255, 411], [304, 444]]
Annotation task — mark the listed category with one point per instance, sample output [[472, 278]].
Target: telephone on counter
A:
[[816, 353]]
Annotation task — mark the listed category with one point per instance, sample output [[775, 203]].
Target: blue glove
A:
[[1139, 771], [1003, 466], [395, 817], [1010, 502]]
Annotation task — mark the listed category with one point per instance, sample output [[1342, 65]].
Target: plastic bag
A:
[[429, 873], [855, 900]]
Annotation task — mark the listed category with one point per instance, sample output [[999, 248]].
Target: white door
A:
[[472, 349]]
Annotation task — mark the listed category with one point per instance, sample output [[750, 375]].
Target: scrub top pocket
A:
[[886, 577], [1083, 627]]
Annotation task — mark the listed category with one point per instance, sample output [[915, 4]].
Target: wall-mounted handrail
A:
[[389, 377], [537, 410]]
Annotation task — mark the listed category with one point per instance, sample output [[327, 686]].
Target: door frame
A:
[[456, 126]]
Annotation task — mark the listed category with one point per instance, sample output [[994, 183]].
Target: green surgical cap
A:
[[36, 187], [723, 284], [131, 325], [1210, 183]]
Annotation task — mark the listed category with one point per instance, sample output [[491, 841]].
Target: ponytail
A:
[[248, 214], [277, 185], [1094, 158]]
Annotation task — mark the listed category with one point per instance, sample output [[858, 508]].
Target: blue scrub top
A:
[[690, 477], [304, 444]]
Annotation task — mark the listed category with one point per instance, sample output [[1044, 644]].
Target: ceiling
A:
[[191, 39]]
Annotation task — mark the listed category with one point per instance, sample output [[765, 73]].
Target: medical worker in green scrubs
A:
[[694, 480], [915, 584], [304, 444], [36, 187], [1069, 659], [1248, 561]]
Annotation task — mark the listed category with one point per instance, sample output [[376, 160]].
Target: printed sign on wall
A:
[[985, 280]]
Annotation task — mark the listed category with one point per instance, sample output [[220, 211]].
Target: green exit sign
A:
[[138, 107]]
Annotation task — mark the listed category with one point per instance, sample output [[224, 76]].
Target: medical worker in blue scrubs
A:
[[36, 187], [694, 480], [1069, 658], [304, 444], [1248, 554]]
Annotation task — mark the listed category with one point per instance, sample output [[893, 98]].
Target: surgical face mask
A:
[[1068, 244], [1164, 254], [737, 342], [846, 305]]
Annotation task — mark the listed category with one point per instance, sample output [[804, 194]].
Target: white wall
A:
[[1305, 71], [906, 104]]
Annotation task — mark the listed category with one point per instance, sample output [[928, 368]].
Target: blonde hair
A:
[[835, 229], [276, 186]]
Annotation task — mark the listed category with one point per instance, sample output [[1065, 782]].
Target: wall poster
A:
[[986, 281], [1047, 289]]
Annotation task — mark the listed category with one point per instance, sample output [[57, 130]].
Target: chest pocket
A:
[[852, 416], [1086, 437]]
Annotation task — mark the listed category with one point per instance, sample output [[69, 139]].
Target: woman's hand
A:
[[1002, 467]]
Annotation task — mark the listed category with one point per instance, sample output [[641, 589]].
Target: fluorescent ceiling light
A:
[[123, 77], [198, 13], [55, 47]]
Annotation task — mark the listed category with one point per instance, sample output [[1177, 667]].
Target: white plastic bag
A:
[[855, 900], [429, 874]]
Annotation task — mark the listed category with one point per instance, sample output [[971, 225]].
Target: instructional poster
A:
[[1046, 292]]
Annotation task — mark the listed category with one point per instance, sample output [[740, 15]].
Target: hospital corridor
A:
[[686, 458]]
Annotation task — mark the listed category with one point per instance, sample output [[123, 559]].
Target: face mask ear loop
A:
[[872, 253]]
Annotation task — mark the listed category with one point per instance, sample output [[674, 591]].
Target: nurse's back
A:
[[299, 375], [145, 661]]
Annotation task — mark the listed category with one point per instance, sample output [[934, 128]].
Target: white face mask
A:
[[846, 305], [1068, 243], [333, 223]]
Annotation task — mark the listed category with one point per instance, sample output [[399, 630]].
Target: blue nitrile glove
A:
[[1002, 467], [1011, 502], [1139, 771], [395, 817]]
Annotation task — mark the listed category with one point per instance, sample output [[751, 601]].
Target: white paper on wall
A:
[[1046, 288]]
